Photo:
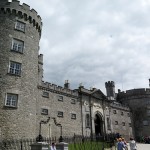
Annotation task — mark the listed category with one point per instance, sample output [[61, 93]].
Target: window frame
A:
[[60, 114], [114, 111], [87, 120], [19, 25], [116, 122], [44, 111], [60, 98], [73, 101], [46, 95], [11, 100], [123, 124], [17, 46], [108, 123], [12, 70], [73, 116]]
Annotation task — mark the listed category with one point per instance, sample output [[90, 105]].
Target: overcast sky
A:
[[94, 41]]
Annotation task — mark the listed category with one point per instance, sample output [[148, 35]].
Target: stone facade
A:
[[30, 106], [139, 102]]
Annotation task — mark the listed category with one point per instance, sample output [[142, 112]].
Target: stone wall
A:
[[20, 121]]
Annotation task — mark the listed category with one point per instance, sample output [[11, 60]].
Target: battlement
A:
[[119, 106], [134, 92], [55, 88], [22, 11], [40, 59], [109, 84]]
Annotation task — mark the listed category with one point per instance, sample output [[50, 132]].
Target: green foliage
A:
[[88, 146]]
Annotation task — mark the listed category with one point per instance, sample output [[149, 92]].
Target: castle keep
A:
[[29, 106]]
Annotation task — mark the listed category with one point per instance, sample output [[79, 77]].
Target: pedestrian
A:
[[125, 144], [53, 147], [120, 145], [132, 144]]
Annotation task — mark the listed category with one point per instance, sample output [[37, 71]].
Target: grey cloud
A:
[[95, 41]]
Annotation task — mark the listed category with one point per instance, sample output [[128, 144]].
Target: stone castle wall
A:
[[25, 84], [139, 102]]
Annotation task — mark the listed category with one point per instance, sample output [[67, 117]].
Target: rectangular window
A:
[[45, 94], [87, 121], [123, 123], [114, 111], [128, 114], [116, 122], [44, 111], [11, 100], [145, 122], [122, 113], [15, 68], [73, 116], [108, 124], [60, 98], [73, 101], [60, 114], [129, 124], [20, 26], [17, 45]]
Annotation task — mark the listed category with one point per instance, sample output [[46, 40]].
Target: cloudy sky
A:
[[94, 41]]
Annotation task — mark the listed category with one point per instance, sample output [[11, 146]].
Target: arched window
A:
[[87, 121]]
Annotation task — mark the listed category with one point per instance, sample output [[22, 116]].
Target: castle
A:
[[29, 106]]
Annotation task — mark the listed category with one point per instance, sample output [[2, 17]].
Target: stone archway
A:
[[98, 122]]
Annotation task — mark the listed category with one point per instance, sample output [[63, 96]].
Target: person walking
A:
[[53, 147], [120, 145], [125, 144], [132, 144]]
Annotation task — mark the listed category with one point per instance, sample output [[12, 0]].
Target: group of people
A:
[[122, 144]]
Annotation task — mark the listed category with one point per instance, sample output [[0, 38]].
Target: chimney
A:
[[67, 84]]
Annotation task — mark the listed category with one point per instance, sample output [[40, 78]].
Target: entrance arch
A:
[[98, 122]]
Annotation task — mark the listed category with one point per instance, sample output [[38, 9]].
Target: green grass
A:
[[88, 146]]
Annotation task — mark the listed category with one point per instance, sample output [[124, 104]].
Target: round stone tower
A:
[[20, 31]]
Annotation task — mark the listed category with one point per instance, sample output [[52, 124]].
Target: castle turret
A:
[[110, 90], [67, 84], [20, 31]]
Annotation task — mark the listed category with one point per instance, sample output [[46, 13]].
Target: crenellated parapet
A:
[[40, 59], [110, 84], [119, 106], [21, 11], [58, 89], [143, 92]]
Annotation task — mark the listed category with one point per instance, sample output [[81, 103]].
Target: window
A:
[[20, 26], [148, 112], [145, 123], [129, 124], [60, 114], [123, 123], [60, 98], [122, 113], [108, 124], [128, 114], [45, 94], [17, 45], [11, 100], [15, 68], [87, 121], [73, 101], [73, 116], [114, 111], [116, 122], [44, 111]]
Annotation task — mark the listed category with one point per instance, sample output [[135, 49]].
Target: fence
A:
[[75, 143]]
